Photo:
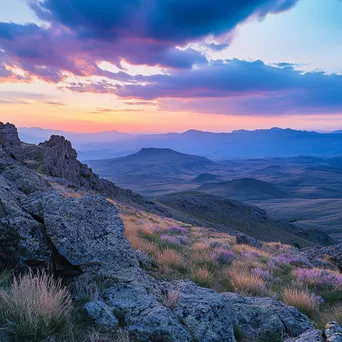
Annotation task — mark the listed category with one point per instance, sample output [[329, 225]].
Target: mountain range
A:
[[237, 144]]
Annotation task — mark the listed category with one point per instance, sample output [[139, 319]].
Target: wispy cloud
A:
[[109, 111]]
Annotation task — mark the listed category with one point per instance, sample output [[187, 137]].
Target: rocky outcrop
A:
[[60, 160], [9, 140], [265, 319], [22, 242]]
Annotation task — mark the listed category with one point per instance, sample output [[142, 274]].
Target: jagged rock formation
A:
[[82, 240], [9, 139]]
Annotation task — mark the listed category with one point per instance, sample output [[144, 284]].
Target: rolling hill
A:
[[151, 169], [232, 216], [244, 189]]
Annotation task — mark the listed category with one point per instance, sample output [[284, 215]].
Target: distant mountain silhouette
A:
[[244, 189], [152, 166], [238, 144]]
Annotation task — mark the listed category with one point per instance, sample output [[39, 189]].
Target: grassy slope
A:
[[213, 259], [228, 216]]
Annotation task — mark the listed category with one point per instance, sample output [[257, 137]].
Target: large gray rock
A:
[[314, 335], [87, 233], [206, 314], [143, 314], [265, 319]]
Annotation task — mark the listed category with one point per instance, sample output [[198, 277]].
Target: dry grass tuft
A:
[[247, 284], [36, 306], [171, 299], [168, 257], [202, 277], [303, 300]]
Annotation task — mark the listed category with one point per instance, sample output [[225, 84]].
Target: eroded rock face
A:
[[266, 319], [60, 160], [88, 233], [9, 139], [22, 242]]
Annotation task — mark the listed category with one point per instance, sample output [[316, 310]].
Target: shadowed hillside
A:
[[233, 216], [152, 168], [244, 189]]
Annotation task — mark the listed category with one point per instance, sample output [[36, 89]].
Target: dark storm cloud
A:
[[174, 21]]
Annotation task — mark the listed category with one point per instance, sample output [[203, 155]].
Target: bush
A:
[[35, 306]]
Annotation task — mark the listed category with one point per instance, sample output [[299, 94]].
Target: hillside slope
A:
[[233, 216], [244, 189], [152, 168]]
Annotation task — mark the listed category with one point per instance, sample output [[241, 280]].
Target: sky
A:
[[172, 65]]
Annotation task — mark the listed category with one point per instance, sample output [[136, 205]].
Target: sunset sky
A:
[[171, 65]]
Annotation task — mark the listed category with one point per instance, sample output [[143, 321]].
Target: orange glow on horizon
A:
[[79, 120]]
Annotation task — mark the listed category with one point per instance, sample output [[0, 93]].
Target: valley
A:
[[304, 191]]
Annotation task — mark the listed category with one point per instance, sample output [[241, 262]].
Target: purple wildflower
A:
[[223, 256], [264, 274], [290, 259], [319, 278], [175, 230], [177, 240], [250, 255]]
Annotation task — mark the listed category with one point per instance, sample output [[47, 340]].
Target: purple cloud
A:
[[173, 21], [235, 86]]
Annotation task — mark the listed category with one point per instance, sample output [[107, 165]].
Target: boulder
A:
[[313, 335], [333, 332], [243, 239], [266, 319], [206, 314], [87, 236]]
